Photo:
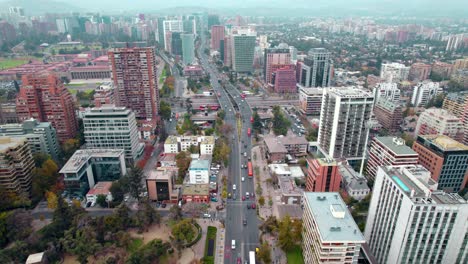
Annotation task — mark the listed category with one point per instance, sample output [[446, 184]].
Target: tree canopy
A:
[[280, 123]]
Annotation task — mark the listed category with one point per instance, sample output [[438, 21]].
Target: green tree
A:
[[69, 147], [175, 212], [261, 201], [221, 114], [312, 134], [135, 182], [285, 236], [182, 162], [184, 231], [44, 179], [117, 191], [80, 242], [280, 123], [257, 122], [409, 140], [147, 216], [101, 200], [209, 131], [264, 253], [165, 110], [123, 215], [221, 151]]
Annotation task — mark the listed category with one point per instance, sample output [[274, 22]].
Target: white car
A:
[[233, 244], [242, 179], [234, 187]]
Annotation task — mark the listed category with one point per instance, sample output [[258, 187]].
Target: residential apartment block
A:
[[17, 164], [419, 72], [388, 91], [394, 72], [329, 233], [310, 100], [322, 175], [388, 114], [423, 92], [439, 121], [410, 221], [386, 151], [278, 147], [199, 171], [343, 127], [446, 159], [176, 144]]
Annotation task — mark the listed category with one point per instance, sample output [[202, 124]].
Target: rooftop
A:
[[311, 90], [415, 181], [327, 162], [196, 189], [333, 219], [159, 174], [10, 142], [198, 164], [273, 145], [207, 140], [81, 157], [292, 140], [396, 145], [171, 140], [386, 104], [444, 142], [102, 187], [350, 92]]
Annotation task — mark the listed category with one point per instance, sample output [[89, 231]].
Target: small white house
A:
[[100, 188]]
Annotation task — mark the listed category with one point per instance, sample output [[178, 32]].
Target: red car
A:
[[253, 206], [239, 260], [243, 198]]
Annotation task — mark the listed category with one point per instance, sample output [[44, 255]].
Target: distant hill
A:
[[40, 7]]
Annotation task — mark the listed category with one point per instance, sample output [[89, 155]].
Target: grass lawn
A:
[[295, 255], [210, 235], [11, 63], [136, 243], [72, 91], [163, 75], [75, 84]]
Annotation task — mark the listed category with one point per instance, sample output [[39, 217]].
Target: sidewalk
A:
[[199, 247]]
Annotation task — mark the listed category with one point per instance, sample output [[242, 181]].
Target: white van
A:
[[233, 244]]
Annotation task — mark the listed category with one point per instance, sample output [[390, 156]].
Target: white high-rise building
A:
[[388, 91], [423, 92], [410, 221], [111, 127], [171, 26], [329, 232], [343, 127], [394, 72]]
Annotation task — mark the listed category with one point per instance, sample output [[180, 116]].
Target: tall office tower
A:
[[160, 35], [217, 34], [435, 121], [388, 114], [111, 127], [323, 175], [446, 159], [189, 25], [284, 80], [329, 233], [389, 151], [243, 49], [213, 20], [45, 98], [293, 53], [274, 59], [171, 26], [316, 69], [188, 48], [310, 100], [17, 163], [423, 92], [343, 127], [419, 72], [388, 91], [394, 72], [176, 43], [135, 80], [227, 51], [442, 70], [41, 136], [410, 221], [16, 10]]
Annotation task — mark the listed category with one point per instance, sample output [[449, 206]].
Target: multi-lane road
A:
[[246, 236]]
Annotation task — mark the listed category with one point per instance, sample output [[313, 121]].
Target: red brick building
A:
[[285, 80], [322, 175], [135, 80], [44, 97]]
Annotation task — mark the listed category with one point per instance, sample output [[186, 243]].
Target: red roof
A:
[[100, 188]]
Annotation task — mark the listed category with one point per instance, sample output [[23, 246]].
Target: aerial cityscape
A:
[[234, 132]]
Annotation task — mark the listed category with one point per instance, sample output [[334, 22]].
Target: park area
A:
[[12, 63], [210, 245], [295, 255]]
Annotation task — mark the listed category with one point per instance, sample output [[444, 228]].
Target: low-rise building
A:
[[439, 121], [16, 165], [167, 160], [101, 188], [290, 193], [442, 70], [329, 233], [176, 144], [352, 182], [446, 159], [193, 71], [89, 166], [199, 171], [310, 100], [90, 72], [196, 193], [104, 95], [160, 184], [419, 71]]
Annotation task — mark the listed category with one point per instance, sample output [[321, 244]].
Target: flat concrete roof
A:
[[445, 143], [198, 164], [333, 219], [10, 142], [196, 189], [81, 156], [396, 145]]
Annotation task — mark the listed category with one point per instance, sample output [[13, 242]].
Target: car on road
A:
[[248, 206], [247, 195], [239, 260], [233, 244], [244, 222], [234, 197], [163, 205], [242, 179], [158, 204], [253, 206], [88, 204], [243, 198], [245, 154], [229, 195], [234, 187], [214, 199], [206, 216]]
